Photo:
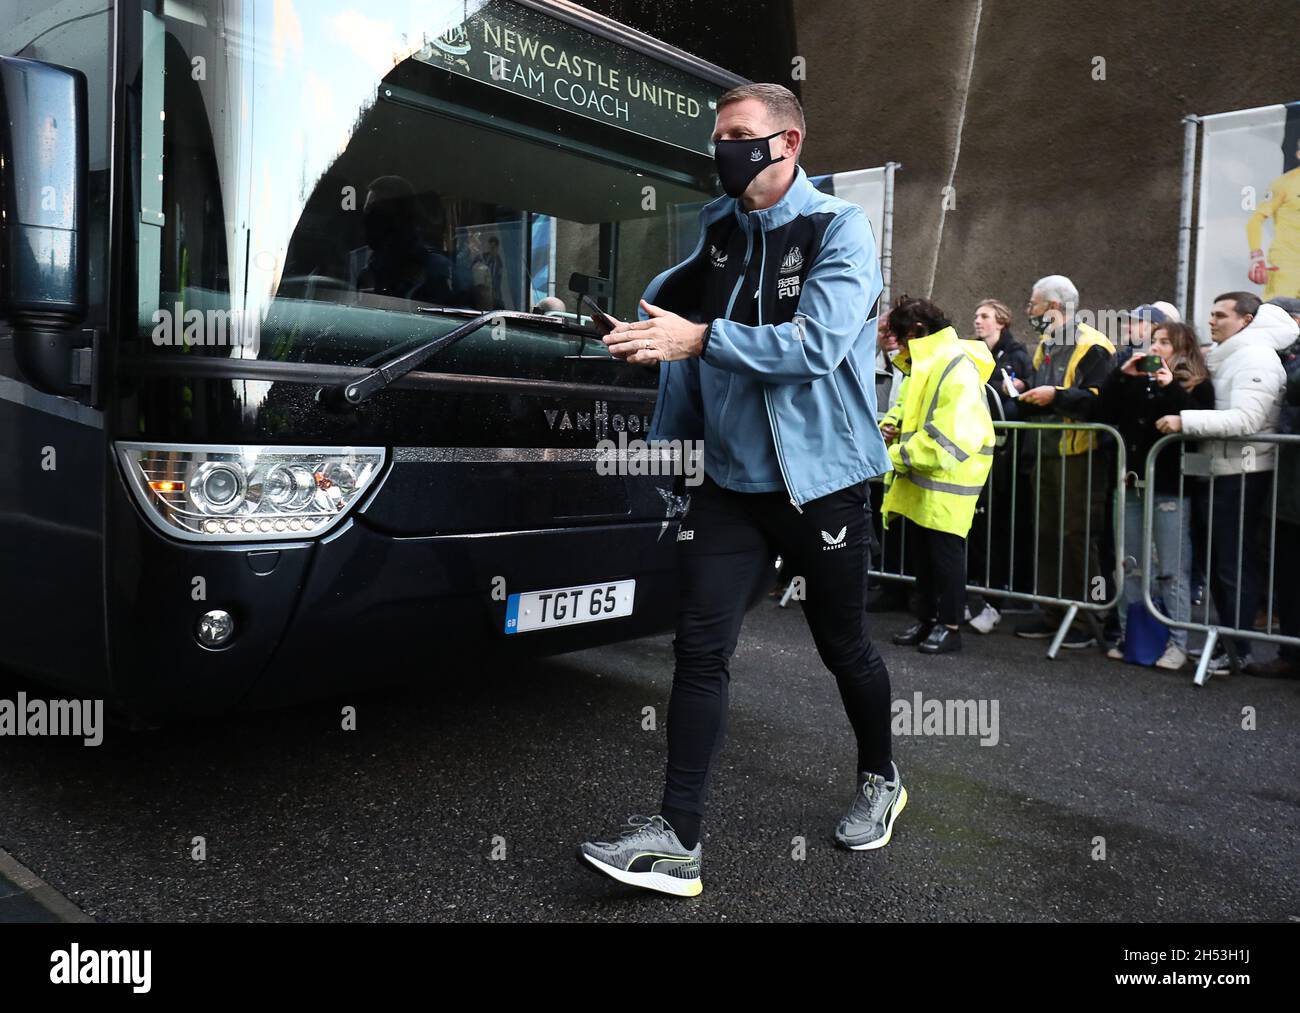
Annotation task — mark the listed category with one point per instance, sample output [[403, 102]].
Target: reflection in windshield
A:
[[403, 256], [315, 155]]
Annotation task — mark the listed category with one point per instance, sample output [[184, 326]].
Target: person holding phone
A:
[[1166, 378]]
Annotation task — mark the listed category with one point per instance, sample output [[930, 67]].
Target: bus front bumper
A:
[[358, 609]]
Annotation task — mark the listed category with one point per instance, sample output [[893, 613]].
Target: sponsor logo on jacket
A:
[[834, 541]]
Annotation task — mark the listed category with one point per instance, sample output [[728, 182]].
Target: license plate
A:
[[568, 606]]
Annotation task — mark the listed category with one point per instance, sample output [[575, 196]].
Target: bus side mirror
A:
[[43, 191]]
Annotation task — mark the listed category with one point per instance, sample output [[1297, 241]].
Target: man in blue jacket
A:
[[766, 340]]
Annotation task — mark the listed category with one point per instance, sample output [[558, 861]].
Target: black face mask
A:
[[739, 162]]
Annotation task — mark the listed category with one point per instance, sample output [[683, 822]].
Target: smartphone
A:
[[602, 321], [1151, 364]]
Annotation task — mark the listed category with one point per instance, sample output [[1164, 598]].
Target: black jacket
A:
[[1289, 422], [1288, 459], [1131, 406], [1011, 355]]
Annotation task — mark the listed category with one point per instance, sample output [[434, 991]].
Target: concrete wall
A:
[[1057, 172]]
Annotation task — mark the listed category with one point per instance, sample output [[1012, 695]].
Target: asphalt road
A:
[[399, 819]]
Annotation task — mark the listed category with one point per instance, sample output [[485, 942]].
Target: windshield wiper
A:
[[349, 395]]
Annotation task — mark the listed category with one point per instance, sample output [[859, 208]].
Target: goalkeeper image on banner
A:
[[1280, 273]]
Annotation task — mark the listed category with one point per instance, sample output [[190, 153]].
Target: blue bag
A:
[[1145, 636]]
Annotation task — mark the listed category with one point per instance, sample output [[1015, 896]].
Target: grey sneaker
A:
[[1221, 662], [648, 855], [869, 823]]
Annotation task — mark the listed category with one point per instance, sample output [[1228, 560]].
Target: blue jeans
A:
[[1172, 541]]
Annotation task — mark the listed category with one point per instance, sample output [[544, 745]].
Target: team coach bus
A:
[[277, 415]]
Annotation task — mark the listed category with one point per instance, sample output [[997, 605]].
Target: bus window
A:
[[309, 190], [336, 186]]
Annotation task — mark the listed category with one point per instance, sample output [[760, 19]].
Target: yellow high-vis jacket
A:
[[945, 447], [1091, 360]]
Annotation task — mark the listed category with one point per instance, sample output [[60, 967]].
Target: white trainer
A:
[[986, 620], [1173, 659]]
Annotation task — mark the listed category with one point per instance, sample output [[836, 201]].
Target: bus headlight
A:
[[241, 494], [217, 487]]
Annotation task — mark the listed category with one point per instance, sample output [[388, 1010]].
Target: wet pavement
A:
[[1112, 793]]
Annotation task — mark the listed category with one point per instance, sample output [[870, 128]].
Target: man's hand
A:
[[1170, 424], [665, 337], [1041, 396], [889, 431]]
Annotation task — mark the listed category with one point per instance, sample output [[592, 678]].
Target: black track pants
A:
[[940, 560], [728, 541]]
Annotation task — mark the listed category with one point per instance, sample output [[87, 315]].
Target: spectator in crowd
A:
[[1070, 364], [941, 452], [1287, 549], [1165, 379], [1224, 322], [992, 529], [1140, 323], [1281, 336], [1248, 388], [1289, 305], [887, 595], [886, 349], [993, 327]]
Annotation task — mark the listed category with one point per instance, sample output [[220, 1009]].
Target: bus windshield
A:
[[324, 182]]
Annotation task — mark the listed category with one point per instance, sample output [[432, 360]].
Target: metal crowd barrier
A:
[[1086, 601], [1193, 464]]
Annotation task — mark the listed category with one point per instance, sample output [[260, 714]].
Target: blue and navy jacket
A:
[[784, 393]]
